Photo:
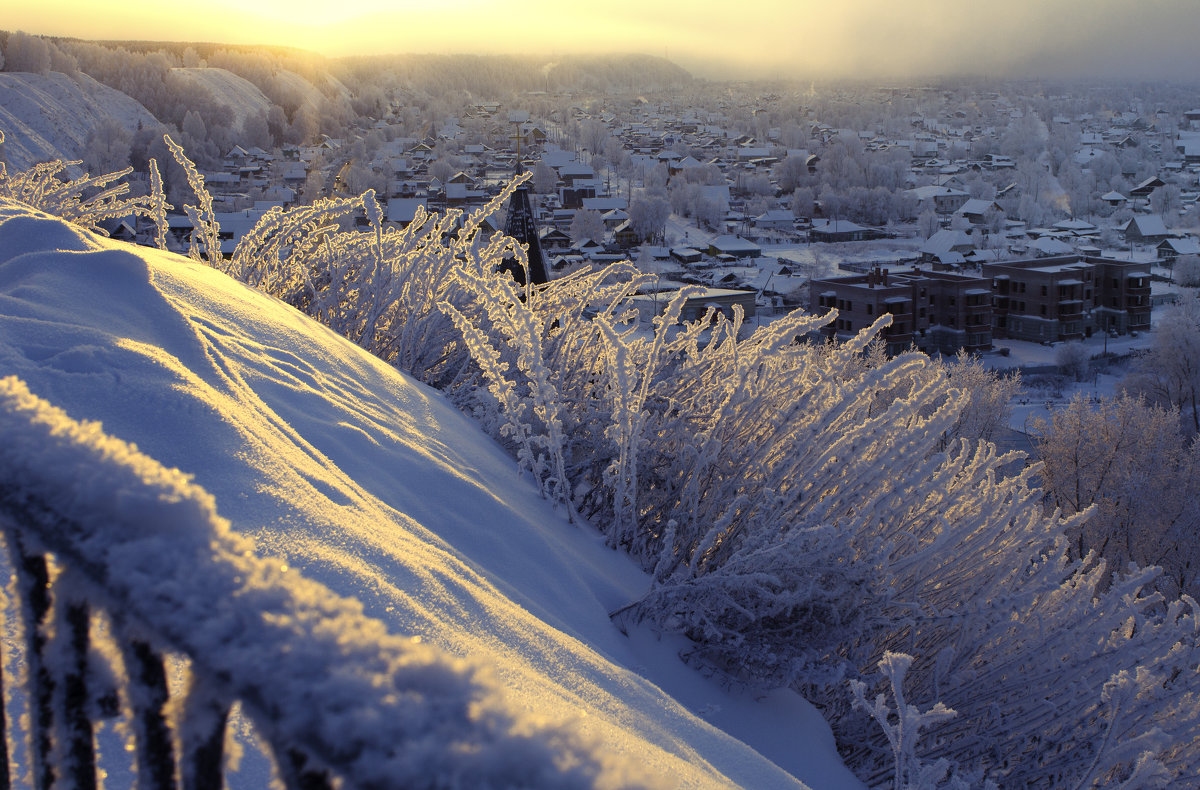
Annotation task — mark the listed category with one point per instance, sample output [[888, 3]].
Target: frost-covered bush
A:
[[1186, 270], [1072, 360], [85, 200], [805, 509]]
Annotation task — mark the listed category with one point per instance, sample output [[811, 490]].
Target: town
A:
[[969, 228]]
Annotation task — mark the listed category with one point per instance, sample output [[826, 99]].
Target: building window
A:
[[870, 309], [1043, 290]]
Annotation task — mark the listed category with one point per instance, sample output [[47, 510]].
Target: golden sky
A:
[[802, 38]]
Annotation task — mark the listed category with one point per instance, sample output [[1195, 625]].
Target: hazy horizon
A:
[[863, 39]]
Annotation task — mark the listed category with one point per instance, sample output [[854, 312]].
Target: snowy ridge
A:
[[360, 479], [49, 116]]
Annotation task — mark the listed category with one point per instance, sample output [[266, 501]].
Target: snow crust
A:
[[355, 477]]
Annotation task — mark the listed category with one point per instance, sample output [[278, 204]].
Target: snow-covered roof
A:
[[1147, 225]]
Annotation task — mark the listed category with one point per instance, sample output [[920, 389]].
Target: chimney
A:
[[885, 273]]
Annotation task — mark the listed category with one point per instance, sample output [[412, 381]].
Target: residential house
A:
[[1041, 301], [734, 246], [1170, 249], [1067, 297], [554, 239], [938, 246], [860, 299], [776, 219], [941, 199], [1144, 189], [935, 311], [1145, 229], [834, 230], [975, 210], [402, 211], [625, 236]]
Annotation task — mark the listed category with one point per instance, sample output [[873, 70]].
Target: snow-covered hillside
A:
[[312, 94], [373, 485], [243, 99], [49, 116], [240, 96]]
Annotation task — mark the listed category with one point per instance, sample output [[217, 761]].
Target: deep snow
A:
[[359, 478]]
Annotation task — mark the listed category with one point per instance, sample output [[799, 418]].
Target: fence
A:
[[117, 556]]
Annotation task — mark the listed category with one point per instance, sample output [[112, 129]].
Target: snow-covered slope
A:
[[49, 116], [311, 95], [240, 96], [373, 485]]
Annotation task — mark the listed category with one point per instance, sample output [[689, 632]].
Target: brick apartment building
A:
[[1068, 297], [935, 311], [1043, 300]]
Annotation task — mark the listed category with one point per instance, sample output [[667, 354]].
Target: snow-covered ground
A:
[[359, 478]]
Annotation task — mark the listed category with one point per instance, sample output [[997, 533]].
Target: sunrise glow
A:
[[867, 38]]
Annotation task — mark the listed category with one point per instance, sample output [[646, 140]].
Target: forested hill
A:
[[492, 75]]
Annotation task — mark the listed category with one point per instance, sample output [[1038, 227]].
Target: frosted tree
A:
[[587, 225], [1072, 360], [1127, 460], [928, 223], [1169, 372], [544, 179], [24, 52], [648, 216], [1186, 270], [108, 147]]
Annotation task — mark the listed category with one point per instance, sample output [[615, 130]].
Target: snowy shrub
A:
[[902, 736], [86, 201], [805, 509]]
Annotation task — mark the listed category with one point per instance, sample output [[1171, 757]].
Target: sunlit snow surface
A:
[[358, 477]]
